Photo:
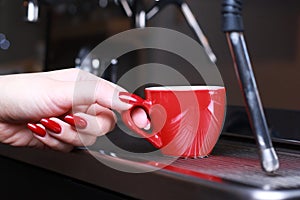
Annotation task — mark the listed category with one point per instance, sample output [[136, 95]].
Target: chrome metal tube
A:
[[244, 72], [194, 25], [140, 19], [190, 18], [126, 7]]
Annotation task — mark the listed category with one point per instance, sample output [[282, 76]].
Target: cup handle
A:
[[138, 102]]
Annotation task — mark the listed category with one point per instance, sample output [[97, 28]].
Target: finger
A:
[[18, 135], [66, 133], [40, 133], [79, 108], [93, 109], [96, 109], [140, 118], [89, 89], [97, 125]]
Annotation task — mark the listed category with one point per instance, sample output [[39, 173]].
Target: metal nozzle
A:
[[270, 161]]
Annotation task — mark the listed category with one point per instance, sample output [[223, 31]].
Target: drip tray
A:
[[231, 161], [232, 171], [239, 162]]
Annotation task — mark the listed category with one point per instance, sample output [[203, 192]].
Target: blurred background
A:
[[66, 30]]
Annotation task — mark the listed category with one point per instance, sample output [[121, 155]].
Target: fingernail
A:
[[37, 129], [127, 98], [51, 125], [76, 121]]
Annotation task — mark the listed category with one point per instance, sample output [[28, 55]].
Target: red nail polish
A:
[[127, 97], [80, 123], [69, 119], [74, 120], [37, 129], [51, 125]]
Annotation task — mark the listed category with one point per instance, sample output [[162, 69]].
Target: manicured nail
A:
[[37, 129], [127, 97], [51, 125], [74, 120]]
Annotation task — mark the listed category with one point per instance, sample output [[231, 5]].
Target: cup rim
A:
[[184, 88]]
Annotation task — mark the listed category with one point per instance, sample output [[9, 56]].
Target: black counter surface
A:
[[231, 172]]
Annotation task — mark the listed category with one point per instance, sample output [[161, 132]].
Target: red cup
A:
[[186, 121]]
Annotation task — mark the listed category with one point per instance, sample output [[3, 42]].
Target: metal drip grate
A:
[[234, 161], [239, 162]]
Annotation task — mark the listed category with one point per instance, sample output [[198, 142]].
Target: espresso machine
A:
[[250, 161]]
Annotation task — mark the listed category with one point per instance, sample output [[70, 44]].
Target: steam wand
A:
[[233, 27]]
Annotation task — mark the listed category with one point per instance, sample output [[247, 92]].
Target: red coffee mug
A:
[[186, 121]]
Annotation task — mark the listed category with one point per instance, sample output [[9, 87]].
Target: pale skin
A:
[[28, 98]]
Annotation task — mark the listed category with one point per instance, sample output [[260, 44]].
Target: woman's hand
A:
[[59, 109]]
